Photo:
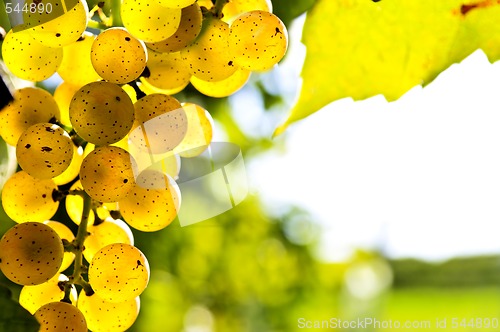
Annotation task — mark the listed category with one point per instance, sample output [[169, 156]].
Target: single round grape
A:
[[60, 317], [222, 88], [119, 272], [199, 131], [73, 169], [65, 234], [107, 174], [108, 232], [34, 297], [153, 202], [175, 3], [167, 71], [118, 317], [257, 40], [235, 8], [117, 56], [76, 67], [149, 21], [30, 253], [189, 28], [30, 106], [101, 113], [209, 57], [44, 150], [25, 198], [27, 58], [59, 31], [63, 95]]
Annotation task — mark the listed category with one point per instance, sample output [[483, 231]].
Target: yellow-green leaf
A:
[[362, 48]]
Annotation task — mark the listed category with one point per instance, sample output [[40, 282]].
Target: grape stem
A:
[[115, 13], [219, 5]]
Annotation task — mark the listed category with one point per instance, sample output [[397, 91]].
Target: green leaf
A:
[[8, 163], [361, 48], [287, 10], [13, 317]]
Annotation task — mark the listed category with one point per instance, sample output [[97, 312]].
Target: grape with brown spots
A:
[[60, 317]]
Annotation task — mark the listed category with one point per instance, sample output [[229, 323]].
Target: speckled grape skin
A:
[[223, 88], [73, 169], [209, 56], [258, 40], [119, 272], [30, 106], [108, 232], [117, 56], [235, 8], [28, 59], [149, 21], [30, 253], [189, 29], [175, 3], [44, 150], [101, 113], [25, 198], [66, 234], [107, 174], [199, 134], [60, 317], [167, 71]]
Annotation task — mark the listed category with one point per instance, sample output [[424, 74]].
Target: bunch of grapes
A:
[[108, 143]]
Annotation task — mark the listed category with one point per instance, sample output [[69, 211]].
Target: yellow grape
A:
[[168, 163], [63, 95], [44, 150], [107, 174], [148, 89], [222, 88], [101, 113], [59, 31], [117, 56], [189, 28], [25, 198], [28, 59], [65, 234], [74, 206], [175, 3], [76, 67], [119, 272], [234, 8], [167, 71], [59, 317], [130, 92], [209, 55], [30, 253], [30, 106], [199, 131], [118, 317], [73, 169], [108, 232], [258, 40], [148, 20], [34, 297], [208, 4]]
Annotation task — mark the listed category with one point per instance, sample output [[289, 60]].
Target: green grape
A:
[[30, 253], [76, 67], [160, 123], [74, 205], [117, 56], [209, 56], [222, 88], [149, 21], [235, 8], [25, 198], [44, 150], [28, 59], [175, 3], [107, 174], [189, 28], [60, 317], [101, 113], [153, 202], [60, 31], [63, 95], [167, 71], [108, 232], [73, 169], [119, 272], [34, 297], [258, 40], [199, 131], [118, 317], [65, 234], [30, 106]]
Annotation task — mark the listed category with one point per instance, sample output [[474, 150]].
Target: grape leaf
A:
[[362, 48], [13, 317]]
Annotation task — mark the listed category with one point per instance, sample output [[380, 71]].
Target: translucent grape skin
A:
[[175, 3], [224, 88], [74, 207], [44, 150], [119, 272], [73, 169], [167, 71], [30, 253], [65, 234], [108, 232], [63, 95], [60, 316], [25, 198], [199, 131], [235, 8]]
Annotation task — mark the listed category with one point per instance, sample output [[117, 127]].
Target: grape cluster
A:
[[90, 145]]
